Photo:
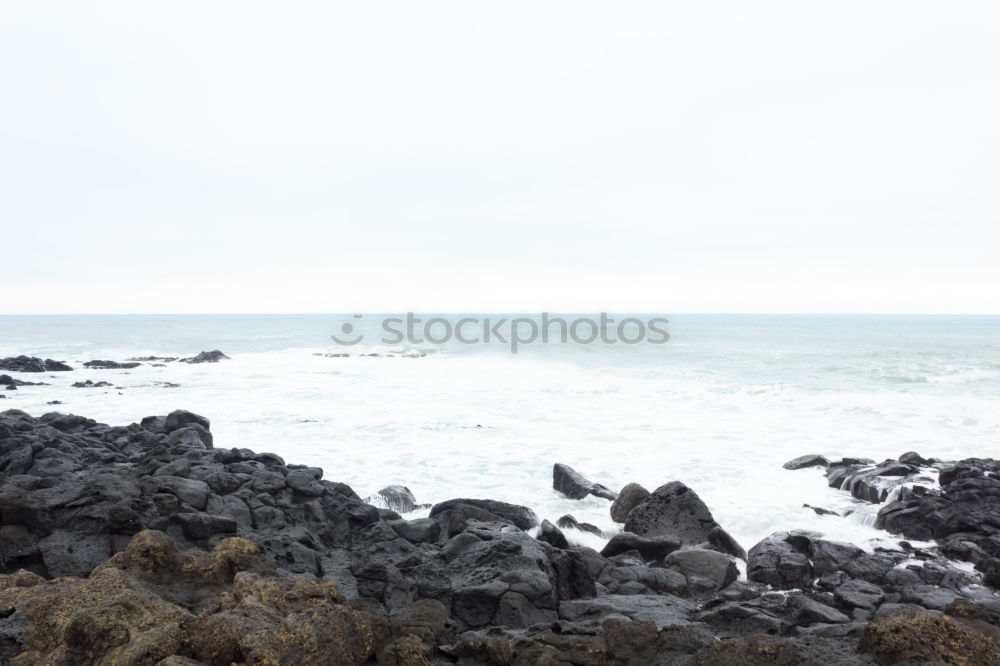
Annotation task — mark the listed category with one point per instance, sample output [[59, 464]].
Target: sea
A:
[[720, 405]]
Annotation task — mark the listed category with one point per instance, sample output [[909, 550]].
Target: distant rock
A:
[[571, 483], [111, 365], [7, 380], [32, 364], [154, 359], [91, 384], [206, 357]]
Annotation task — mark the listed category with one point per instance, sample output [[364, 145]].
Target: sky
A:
[[244, 156]]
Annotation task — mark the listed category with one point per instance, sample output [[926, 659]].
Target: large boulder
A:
[[780, 561], [484, 510], [675, 511]]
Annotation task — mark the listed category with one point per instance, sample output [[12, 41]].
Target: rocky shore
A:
[[153, 544]]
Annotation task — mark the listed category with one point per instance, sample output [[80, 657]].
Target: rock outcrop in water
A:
[[213, 356], [147, 544], [571, 483], [32, 364]]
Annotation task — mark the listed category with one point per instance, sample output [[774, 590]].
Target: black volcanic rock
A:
[[32, 364], [631, 496], [110, 365], [676, 512], [963, 515], [175, 552], [873, 483], [206, 357], [570, 483], [485, 510], [810, 460], [91, 384]]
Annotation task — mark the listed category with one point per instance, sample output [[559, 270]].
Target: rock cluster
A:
[[146, 544], [32, 364]]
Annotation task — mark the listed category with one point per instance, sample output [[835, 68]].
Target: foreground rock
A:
[[226, 606], [570, 483], [147, 544], [32, 364]]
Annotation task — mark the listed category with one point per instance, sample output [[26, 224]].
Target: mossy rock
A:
[[916, 635]]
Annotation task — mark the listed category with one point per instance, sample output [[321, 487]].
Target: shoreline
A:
[[74, 494]]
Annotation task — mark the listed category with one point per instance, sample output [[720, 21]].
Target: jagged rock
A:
[[874, 483], [705, 570], [569, 522], [570, 483], [631, 496], [776, 561], [809, 460], [675, 511], [206, 357], [478, 509], [552, 535], [962, 516], [32, 364]]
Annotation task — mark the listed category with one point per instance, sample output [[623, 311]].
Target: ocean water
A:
[[720, 406]]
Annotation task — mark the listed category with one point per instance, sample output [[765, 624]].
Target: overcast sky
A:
[[518, 156]]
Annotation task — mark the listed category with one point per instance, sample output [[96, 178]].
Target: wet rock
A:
[[569, 522], [570, 483], [778, 562], [552, 535], [206, 357], [32, 364], [478, 509], [874, 483], [914, 458], [674, 511], [91, 384], [705, 570], [809, 460], [650, 548], [110, 365], [962, 515], [631, 496], [397, 498]]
